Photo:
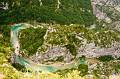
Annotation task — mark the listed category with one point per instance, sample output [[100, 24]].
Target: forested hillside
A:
[[48, 11], [60, 39]]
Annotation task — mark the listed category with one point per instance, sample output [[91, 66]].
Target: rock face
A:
[[58, 53], [115, 25], [108, 11], [55, 53], [64, 43], [101, 8], [90, 50]]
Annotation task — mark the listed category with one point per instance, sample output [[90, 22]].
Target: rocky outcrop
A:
[[64, 43], [55, 53], [102, 8], [115, 25], [90, 50], [108, 11]]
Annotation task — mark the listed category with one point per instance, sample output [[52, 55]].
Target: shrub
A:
[[106, 58], [72, 49], [83, 69]]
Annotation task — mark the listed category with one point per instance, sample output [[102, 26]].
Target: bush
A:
[[106, 58], [72, 49], [19, 67], [5, 39], [83, 69]]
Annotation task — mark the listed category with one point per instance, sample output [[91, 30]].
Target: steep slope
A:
[[108, 11], [48, 11], [65, 43]]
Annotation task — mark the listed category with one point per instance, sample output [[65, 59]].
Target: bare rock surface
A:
[[108, 11], [53, 53], [90, 50]]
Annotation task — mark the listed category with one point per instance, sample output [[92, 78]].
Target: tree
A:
[[47, 11]]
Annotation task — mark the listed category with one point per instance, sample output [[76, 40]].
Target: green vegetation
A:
[[115, 66], [72, 49], [72, 11], [19, 67], [106, 58], [70, 36], [83, 69], [56, 59], [104, 68], [60, 58], [31, 39], [67, 22], [65, 71], [5, 35]]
